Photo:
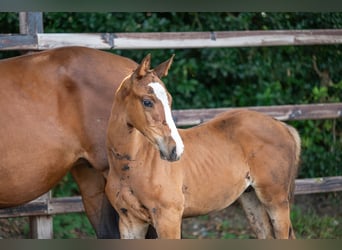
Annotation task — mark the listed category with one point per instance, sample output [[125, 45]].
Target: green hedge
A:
[[235, 77]]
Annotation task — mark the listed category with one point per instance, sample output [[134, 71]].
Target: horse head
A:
[[147, 106]]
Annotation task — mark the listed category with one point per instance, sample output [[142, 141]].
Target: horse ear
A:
[[163, 68], [144, 66]]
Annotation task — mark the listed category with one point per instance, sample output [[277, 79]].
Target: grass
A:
[[72, 226], [310, 225]]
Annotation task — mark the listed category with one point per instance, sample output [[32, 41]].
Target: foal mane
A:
[[122, 82]]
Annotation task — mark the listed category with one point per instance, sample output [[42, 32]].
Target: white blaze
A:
[[160, 93]]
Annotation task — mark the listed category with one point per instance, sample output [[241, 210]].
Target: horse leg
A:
[[99, 211], [277, 205], [256, 215]]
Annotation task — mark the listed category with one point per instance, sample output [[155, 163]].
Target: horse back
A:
[[75, 85]]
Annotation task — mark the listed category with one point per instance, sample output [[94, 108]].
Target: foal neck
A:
[[124, 141]]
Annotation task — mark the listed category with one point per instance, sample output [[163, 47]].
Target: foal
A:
[[159, 174]]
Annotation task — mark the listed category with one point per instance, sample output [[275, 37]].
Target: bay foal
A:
[[159, 174]]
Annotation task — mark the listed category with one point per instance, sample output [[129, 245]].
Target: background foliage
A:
[[233, 77]]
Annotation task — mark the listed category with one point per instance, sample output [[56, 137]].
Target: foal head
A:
[[147, 105]]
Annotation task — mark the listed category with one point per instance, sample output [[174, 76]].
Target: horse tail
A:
[[295, 168]]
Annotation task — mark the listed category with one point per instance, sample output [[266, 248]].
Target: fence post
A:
[[31, 23], [41, 227]]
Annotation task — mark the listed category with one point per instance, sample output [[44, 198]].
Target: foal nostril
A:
[[173, 155]]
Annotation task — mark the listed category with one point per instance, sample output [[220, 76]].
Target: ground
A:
[[313, 216]]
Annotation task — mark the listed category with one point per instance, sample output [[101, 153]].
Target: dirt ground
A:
[[228, 223]]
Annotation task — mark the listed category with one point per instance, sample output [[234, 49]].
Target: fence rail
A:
[[175, 40], [190, 117]]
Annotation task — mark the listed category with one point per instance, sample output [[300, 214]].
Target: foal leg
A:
[[132, 228], [256, 215], [101, 214], [277, 205], [280, 217], [168, 223]]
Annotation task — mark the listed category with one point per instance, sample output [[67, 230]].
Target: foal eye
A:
[[147, 103]]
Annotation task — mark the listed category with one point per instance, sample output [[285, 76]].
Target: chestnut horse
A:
[[54, 109], [159, 174]]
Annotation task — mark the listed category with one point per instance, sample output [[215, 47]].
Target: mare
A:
[[54, 109], [159, 174]]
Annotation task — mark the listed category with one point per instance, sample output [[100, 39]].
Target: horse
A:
[[160, 174], [54, 109]]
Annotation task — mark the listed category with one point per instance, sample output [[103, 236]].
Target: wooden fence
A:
[[176, 40], [31, 37]]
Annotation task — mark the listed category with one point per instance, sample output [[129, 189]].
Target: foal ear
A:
[[144, 66], [163, 68]]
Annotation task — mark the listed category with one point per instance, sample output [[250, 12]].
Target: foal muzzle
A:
[[172, 156], [169, 151]]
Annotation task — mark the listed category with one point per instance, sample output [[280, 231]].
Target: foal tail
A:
[[295, 135]]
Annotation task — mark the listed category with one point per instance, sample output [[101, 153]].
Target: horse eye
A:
[[147, 103]]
